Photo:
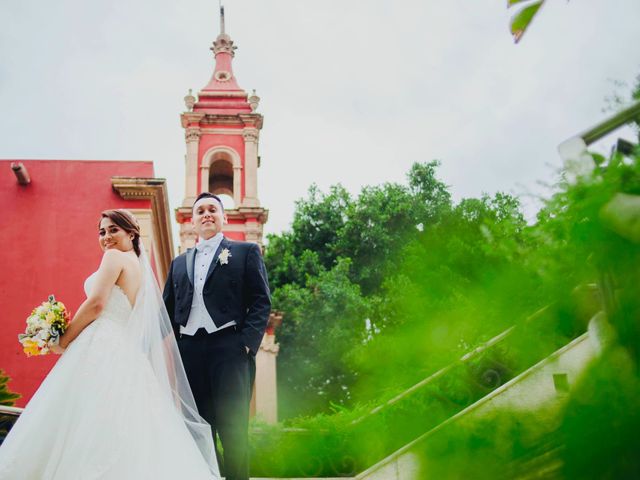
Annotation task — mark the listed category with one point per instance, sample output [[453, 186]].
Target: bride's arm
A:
[[106, 277]]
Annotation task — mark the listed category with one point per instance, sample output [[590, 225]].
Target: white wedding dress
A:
[[104, 413]]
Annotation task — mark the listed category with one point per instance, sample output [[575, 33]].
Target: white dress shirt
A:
[[199, 316]]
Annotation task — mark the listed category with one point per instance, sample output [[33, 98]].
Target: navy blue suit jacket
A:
[[237, 290]]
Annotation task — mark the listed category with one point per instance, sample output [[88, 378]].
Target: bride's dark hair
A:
[[126, 221]]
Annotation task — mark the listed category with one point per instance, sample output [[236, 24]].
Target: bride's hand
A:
[[57, 349]]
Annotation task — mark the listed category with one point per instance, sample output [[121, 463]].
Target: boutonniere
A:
[[224, 256]]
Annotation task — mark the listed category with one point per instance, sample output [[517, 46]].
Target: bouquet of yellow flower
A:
[[44, 327]]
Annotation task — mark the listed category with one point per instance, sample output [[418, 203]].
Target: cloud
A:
[[352, 92]]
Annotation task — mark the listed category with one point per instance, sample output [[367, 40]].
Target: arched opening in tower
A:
[[221, 180]]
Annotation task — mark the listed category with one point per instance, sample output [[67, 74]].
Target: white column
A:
[[266, 386], [237, 181], [204, 176], [192, 137], [188, 236], [250, 136]]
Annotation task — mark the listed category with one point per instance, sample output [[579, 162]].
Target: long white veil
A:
[[151, 325]]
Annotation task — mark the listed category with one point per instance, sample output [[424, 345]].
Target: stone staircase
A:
[[543, 385]]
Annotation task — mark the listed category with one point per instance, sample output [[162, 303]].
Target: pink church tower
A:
[[222, 133]]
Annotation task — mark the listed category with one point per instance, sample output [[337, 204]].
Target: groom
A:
[[217, 296]]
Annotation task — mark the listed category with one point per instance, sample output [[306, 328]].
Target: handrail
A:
[[464, 359], [610, 124], [7, 410], [474, 406], [575, 147]]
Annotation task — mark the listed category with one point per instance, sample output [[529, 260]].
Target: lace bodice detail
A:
[[117, 307]]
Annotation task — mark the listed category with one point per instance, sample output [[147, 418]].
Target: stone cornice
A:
[[187, 118], [249, 120], [254, 120], [244, 213], [222, 94], [219, 119], [183, 214], [222, 131], [154, 189]]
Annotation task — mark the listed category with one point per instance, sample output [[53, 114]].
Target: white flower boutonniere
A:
[[224, 256]]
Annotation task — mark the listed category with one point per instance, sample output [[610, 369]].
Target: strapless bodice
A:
[[118, 307]]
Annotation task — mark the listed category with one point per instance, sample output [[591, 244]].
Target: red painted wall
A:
[[49, 244]]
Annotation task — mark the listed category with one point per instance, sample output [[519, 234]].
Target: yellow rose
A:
[[30, 348]]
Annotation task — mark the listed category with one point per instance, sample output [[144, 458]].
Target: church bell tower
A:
[[222, 132]]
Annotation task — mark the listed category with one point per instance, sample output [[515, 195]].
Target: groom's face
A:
[[208, 217]]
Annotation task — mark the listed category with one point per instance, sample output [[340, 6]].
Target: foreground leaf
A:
[[521, 20]]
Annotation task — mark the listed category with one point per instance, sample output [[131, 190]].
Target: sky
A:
[[352, 91]]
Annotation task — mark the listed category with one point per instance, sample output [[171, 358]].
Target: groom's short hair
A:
[[207, 195]]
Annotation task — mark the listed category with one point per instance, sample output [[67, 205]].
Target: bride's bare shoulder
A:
[[113, 255], [119, 259]]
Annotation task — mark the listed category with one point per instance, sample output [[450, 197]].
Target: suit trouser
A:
[[220, 374]]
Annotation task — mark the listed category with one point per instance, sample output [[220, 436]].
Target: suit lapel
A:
[[191, 259], [214, 263]]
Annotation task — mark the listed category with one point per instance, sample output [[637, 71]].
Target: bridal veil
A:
[[150, 326]]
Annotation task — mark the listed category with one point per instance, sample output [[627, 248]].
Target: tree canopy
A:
[[342, 272]]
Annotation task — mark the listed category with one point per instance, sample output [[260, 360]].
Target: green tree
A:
[[341, 243], [384, 218], [324, 320], [311, 245], [461, 280], [403, 257]]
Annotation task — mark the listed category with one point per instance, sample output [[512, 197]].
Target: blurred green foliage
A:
[[327, 274], [402, 308], [592, 225], [471, 299], [7, 397], [400, 279], [358, 333]]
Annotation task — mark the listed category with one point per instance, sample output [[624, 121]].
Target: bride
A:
[[117, 405]]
